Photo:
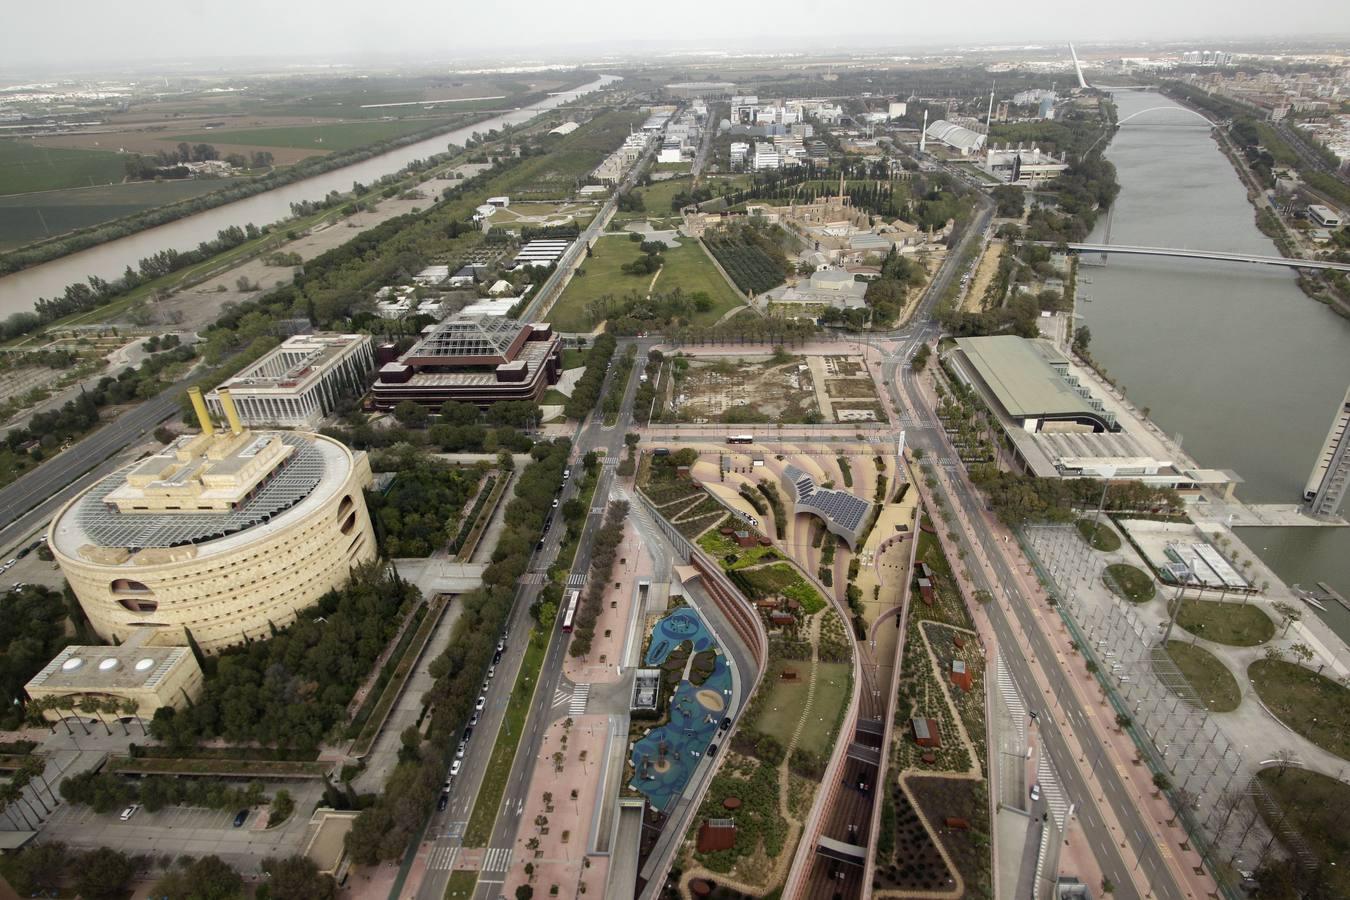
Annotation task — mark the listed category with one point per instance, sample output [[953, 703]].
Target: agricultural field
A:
[[753, 269], [26, 167], [573, 158], [31, 217], [319, 138]]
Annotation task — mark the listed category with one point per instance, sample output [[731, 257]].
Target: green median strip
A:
[[265, 768], [462, 883]]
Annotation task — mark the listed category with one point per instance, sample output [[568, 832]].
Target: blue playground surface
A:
[[682, 625], [665, 759]]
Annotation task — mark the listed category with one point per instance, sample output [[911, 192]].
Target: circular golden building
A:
[[225, 536]]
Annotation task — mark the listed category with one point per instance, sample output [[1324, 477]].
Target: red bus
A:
[[570, 611]]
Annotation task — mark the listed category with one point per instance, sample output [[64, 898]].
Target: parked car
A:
[[482, 702], [468, 733], [555, 502], [240, 818], [442, 803], [129, 811], [501, 645], [492, 672], [473, 720], [726, 722], [455, 767], [1036, 791], [459, 751]]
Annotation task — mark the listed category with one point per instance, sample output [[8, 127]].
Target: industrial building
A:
[[1331, 472], [543, 252], [957, 137], [473, 359], [143, 676], [1059, 427], [1025, 167], [300, 382], [224, 536], [1324, 217]]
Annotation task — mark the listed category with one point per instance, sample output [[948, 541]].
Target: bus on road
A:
[[570, 610], [740, 439]]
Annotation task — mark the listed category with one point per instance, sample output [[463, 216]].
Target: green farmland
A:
[[26, 167], [343, 136], [557, 173], [31, 217]]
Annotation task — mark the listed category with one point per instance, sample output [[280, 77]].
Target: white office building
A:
[[766, 157], [300, 382]]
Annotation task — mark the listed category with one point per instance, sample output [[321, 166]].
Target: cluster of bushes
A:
[[32, 631], [1015, 498], [485, 492], [649, 263], [158, 342], [603, 550], [292, 690], [104, 792], [886, 296], [416, 515], [637, 311], [383, 830], [586, 393], [644, 400], [770, 492]]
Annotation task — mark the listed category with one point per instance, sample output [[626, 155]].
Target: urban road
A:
[[1108, 784]]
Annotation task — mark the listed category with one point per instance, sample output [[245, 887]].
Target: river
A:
[[18, 292], [1234, 358]]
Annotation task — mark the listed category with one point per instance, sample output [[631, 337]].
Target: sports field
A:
[[26, 167], [686, 267], [32, 217], [320, 138]]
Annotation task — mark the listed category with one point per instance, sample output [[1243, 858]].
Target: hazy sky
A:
[[79, 33]]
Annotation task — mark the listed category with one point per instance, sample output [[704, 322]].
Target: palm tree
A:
[[24, 778], [36, 766], [70, 702], [133, 709], [9, 795], [94, 706], [113, 706]]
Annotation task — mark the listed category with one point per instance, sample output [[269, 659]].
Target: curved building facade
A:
[[224, 536]]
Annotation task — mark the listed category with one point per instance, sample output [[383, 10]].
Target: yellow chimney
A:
[[203, 414], [231, 413]]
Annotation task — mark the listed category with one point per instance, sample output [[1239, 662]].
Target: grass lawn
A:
[[1207, 674], [1099, 535], [573, 359], [1315, 803], [462, 883], [1234, 624], [656, 198], [832, 687], [1130, 582], [1311, 704], [783, 707], [686, 267], [342, 136], [25, 167]]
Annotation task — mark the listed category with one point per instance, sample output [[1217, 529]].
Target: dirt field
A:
[[750, 389], [141, 139], [984, 274]]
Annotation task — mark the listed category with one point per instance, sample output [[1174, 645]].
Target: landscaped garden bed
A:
[[1129, 582], [1099, 535], [1311, 704], [1235, 624], [1207, 675]]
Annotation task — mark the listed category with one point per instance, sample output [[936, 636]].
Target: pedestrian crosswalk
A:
[[580, 695], [533, 578], [498, 859], [443, 857], [1051, 791], [561, 696], [576, 581]]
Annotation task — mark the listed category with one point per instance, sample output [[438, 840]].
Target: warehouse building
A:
[[473, 359], [957, 137], [224, 536], [300, 382]]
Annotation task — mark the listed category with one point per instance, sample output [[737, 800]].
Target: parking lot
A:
[[179, 830]]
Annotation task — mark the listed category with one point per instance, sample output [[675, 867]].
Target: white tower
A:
[[923, 135]]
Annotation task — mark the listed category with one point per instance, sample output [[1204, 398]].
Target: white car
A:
[[129, 811], [492, 671], [482, 702], [454, 768], [460, 750], [1035, 792]]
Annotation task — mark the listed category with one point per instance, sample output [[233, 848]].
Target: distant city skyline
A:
[[85, 34]]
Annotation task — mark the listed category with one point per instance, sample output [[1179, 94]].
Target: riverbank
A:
[[1268, 219]]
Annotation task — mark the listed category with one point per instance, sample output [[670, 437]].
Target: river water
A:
[[19, 291], [1234, 358]]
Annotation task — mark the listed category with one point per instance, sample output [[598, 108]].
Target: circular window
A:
[[71, 664], [143, 664], [107, 664]]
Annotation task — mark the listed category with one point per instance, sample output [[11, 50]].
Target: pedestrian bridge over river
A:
[[1179, 252]]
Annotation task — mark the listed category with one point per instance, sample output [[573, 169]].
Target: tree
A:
[[103, 873], [1302, 652], [1122, 721], [297, 878], [281, 809], [1082, 336], [1161, 781], [38, 869], [920, 359], [208, 878], [411, 414], [524, 892], [1283, 759]]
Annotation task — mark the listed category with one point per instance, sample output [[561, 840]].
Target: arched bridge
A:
[[1181, 109], [1287, 261]]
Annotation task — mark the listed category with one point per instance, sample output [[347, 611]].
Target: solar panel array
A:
[[839, 507], [293, 481]]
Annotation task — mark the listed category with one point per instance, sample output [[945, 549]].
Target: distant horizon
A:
[[308, 33]]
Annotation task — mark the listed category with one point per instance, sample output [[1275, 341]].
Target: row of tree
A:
[[604, 549], [586, 392], [383, 830]]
